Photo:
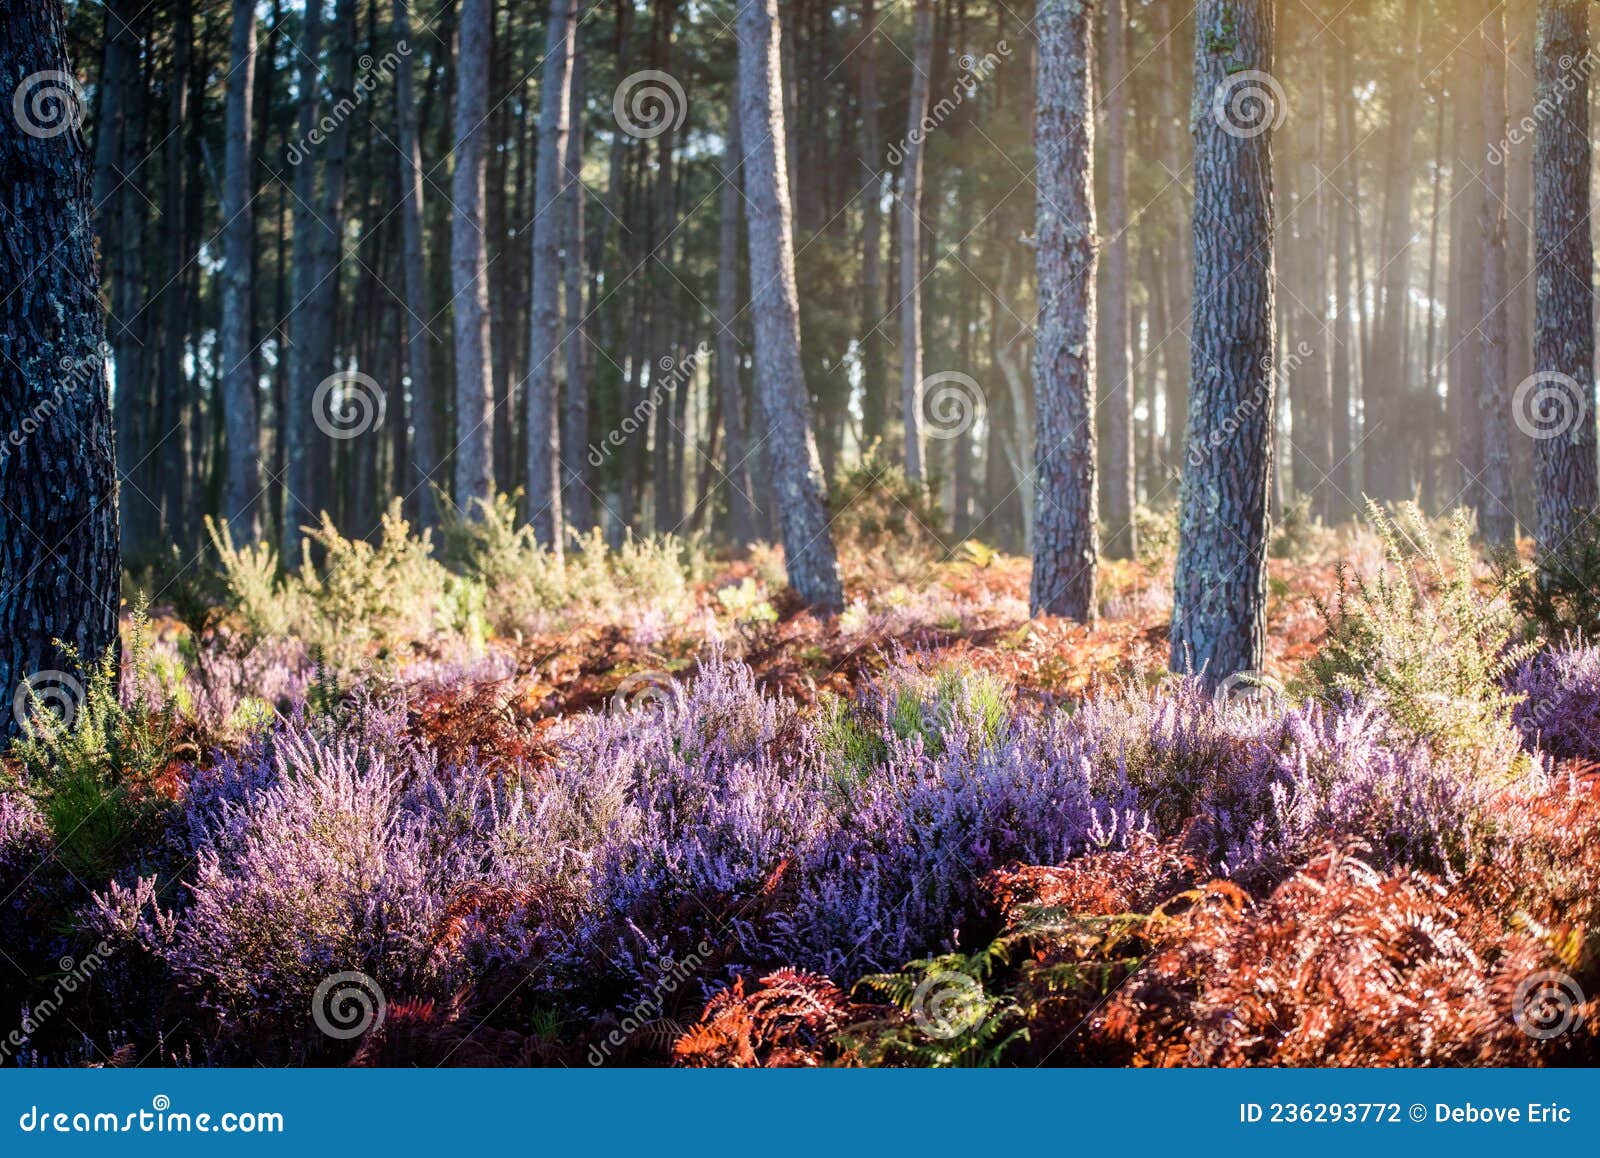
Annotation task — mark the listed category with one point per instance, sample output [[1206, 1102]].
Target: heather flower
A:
[[1559, 710]]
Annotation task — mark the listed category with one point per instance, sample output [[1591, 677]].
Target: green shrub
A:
[[1422, 636], [1557, 596], [94, 769]]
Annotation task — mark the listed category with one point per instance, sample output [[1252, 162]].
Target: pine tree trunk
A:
[[60, 563], [544, 334], [578, 494], [1065, 512], [474, 466], [809, 555], [736, 476], [1466, 379], [1345, 352], [1116, 370], [874, 371], [299, 503], [911, 226], [237, 368], [424, 411], [1220, 583], [1563, 420], [1497, 519]]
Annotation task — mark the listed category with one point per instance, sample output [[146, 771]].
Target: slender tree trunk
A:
[[555, 106], [1220, 584], [60, 566], [911, 244], [1430, 371], [1116, 373], [1345, 357], [741, 509], [474, 467], [1560, 405], [1065, 519], [171, 455], [299, 503], [1466, 379], [237, 369], [874, 371], [424, 411], [576, 499], [1497, 520], [809, 555]]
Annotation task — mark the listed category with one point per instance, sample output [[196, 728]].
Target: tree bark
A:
[[1065, 520], [741, 508], [1564, 419], [60, 563], [544, 333], [299, 503], [1220, 583], [1497, 519], [424, 410], [1116, 371], [577, 496], [809, 555], [237, 368], [911, 226], [874, 371], [474, 466]]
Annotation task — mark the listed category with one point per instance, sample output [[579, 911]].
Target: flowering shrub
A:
[[1559, 707]]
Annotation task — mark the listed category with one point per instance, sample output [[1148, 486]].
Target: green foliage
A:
[[1157, 531], [1297, 533], [529, 588], [94, 768], [949, 1017], [878, 511], [1422, 636], [1557, 596]]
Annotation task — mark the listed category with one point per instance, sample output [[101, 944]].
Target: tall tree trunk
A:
[[1466, 378], [424, 410], [1220, 584], [60, 565], [741, 508], [1345, 352], [911, 225], [171, 455], [299, 502], [874, 371], [1065, 519], [237, 368], [809, 555], [577, 497], [544, 334], [1116, 375], [469, 282], [1559, 405], [1497, 520]]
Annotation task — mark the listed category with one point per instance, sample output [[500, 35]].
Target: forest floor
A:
[[639, 808]]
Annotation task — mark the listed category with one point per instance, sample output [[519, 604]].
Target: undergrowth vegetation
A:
[[632, 805]]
